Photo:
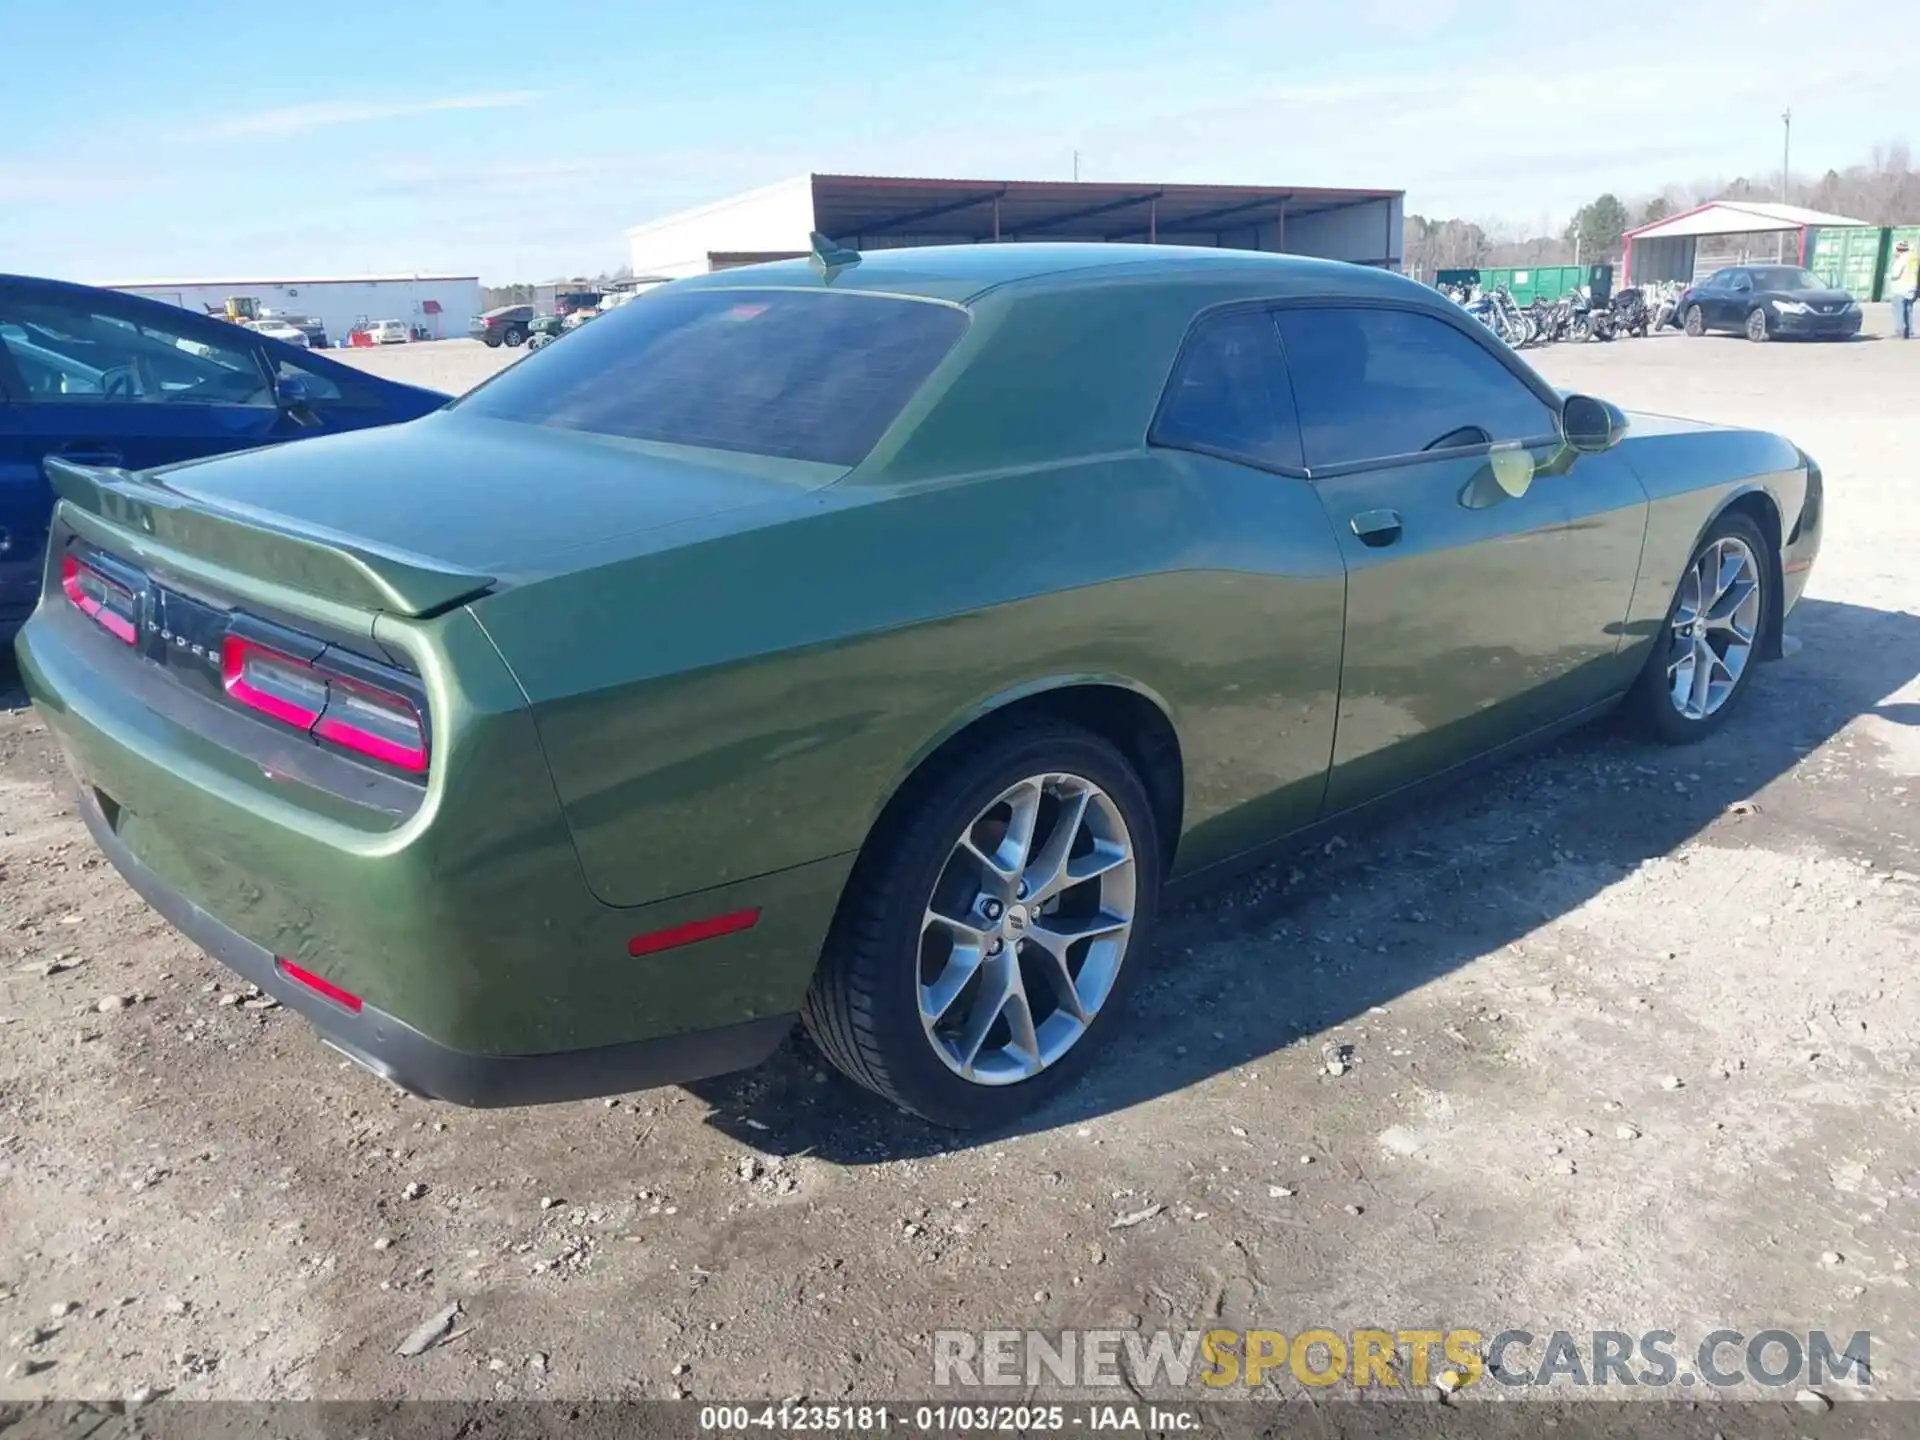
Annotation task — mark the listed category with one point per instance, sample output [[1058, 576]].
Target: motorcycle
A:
[[1630, 315], [1590, 322]]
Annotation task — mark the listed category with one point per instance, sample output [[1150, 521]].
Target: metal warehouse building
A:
[[442, 306], [1696, 242], [872, 212]]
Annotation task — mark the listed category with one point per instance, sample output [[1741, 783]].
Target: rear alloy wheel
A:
[[1696, 321], [1757, 325], [987, 939], [1704, 657], [492, 340]]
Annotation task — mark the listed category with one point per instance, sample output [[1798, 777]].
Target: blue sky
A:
[[520, 140]]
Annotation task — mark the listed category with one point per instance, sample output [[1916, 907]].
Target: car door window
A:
[[1742, 283], [1229, 395], [66, 351], [1372, 384]]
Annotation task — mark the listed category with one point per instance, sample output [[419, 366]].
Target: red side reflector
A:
[[344, 998], [692, 931]]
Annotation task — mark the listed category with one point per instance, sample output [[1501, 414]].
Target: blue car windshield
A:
[[795, 374]]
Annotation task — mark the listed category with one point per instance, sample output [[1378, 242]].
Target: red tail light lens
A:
[[374, 722], [109, 603], [349, 713], [274, 684]]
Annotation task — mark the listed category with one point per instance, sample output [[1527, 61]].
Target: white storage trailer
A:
[[871, 212], [441, 306]]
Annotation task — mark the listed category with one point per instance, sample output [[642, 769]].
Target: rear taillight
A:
[[109, 603], [350, 713], [289, 690], [375, 722]]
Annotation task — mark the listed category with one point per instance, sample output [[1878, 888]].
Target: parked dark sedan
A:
[[112, 379], [1763, 302], [508, 325]]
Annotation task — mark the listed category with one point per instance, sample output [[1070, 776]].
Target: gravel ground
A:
[[1632, 1039]]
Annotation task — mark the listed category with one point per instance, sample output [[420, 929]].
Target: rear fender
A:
[[986, 707]]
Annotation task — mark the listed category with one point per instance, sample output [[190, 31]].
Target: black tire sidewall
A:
[[1650, 701], [922, 845], [1694, 322], [1763, 335]]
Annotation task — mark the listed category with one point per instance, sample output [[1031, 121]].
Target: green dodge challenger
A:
[[868, 640]]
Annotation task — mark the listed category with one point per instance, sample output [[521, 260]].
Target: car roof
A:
[[964, 272]]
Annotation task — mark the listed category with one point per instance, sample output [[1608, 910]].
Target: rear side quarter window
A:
[[1228, 394]]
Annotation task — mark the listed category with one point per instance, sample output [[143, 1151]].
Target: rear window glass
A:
[[801, 375]]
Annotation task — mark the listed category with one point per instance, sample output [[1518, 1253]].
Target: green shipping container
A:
[[1849, 258], [1536, 282]]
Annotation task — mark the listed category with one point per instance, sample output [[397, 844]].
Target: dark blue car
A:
[[112, 379]]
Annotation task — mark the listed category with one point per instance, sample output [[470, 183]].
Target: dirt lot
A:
[[1633, 1039]]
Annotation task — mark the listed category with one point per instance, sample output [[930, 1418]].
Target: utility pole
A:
[[1076, 166], [1786, 154], [1786, 172]]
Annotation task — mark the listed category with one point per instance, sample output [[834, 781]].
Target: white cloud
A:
[[300, 119]]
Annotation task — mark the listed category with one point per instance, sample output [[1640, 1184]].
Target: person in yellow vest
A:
[[1903, 285]]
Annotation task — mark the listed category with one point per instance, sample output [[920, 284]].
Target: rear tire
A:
[[901, 990], [1757, 330], [1672, 701], [1696, 323], [491, 340]]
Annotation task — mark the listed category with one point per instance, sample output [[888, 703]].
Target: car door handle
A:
[[90, 452], [1377, 528]]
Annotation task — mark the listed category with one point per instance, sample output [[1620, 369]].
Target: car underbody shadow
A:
[[1295, 949]]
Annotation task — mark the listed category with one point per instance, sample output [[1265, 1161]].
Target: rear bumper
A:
[[420, 1065]]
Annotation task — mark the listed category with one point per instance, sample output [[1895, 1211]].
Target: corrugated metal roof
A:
[[1737, 217], [849, 206], [279, 280]]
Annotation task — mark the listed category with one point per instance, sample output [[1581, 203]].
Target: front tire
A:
[[1706, 652], [1757, 330], [992, 929], [1696, 324], [515, 336]]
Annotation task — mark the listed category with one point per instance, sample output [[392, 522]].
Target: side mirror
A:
[[293, 392], [1591, 425], [295, 395]]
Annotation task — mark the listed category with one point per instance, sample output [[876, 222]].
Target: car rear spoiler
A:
[[335, 567]]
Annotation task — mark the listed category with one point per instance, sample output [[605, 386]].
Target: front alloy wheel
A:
[[1714, 628], [1704, 658], [992, 926], [1757, 325]]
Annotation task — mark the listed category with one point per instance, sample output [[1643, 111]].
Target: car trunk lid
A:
[[416, 518]]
